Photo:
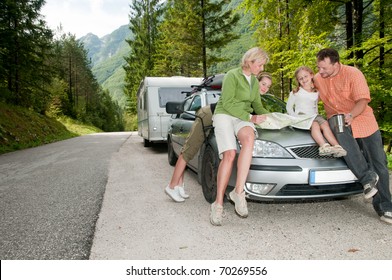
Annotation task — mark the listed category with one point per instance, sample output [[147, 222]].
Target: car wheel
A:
[[171, 155], [209, 172], [147, 143]]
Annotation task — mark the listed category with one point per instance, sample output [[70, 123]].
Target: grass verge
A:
[[21, 128]]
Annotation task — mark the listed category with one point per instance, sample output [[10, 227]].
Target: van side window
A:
[[142, 104]]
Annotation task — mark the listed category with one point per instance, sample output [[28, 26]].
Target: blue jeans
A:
[[366, 157]]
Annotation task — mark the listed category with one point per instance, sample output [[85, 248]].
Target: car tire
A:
[[209, 173], [171, 155]]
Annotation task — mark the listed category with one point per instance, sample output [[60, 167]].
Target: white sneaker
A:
[[181, 191], [174, 194], [325, 150]]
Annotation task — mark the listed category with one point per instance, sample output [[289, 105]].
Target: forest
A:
[[49, 72]]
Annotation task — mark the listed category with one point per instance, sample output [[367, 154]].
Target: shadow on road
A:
[[158, 148]]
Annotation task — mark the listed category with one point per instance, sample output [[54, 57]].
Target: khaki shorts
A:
[[226, 131], [196, 136], [319, 119]]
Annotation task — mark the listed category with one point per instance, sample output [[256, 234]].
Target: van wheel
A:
[[171, 155], [147, 143], [209, 171]]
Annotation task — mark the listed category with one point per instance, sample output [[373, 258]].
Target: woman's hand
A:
[[258, 119]]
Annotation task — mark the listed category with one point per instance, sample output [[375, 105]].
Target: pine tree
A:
[[191, 34], [144, 22], [25, 46]]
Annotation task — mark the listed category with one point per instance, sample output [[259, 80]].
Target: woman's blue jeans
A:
[[366, 157]]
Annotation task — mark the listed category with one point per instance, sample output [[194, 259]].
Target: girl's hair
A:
[[262, 75], [252, 55], [307, 69]]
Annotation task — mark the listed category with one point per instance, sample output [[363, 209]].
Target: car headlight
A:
[[268, 149]]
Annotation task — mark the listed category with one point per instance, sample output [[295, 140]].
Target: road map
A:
[[280, 120]]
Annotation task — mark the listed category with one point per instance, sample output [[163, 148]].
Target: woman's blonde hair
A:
[[307, 69], [252, 55]]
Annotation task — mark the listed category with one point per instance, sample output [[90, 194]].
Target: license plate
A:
[[317, 177]]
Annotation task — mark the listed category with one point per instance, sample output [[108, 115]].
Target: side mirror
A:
[[174, 107]]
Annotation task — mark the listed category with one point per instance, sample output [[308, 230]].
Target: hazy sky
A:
[[80, 17]]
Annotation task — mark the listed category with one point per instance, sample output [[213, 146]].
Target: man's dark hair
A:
[[328, 52]]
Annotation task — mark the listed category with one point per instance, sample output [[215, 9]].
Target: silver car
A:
[[285, 166]]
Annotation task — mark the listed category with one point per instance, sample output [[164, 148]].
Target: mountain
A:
[[107, 60]]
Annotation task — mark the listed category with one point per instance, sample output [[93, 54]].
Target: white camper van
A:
[[152, 96]]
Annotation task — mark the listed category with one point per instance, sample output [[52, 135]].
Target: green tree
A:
[[75, 91], [25, 46], [71, 65], [143, 23], [217, 31], [178, 46], [192, 32], [292, 31]]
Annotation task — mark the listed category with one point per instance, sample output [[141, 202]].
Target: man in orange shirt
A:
[[344, 90]]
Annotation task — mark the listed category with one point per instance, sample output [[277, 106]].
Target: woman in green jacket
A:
[[233, 120]]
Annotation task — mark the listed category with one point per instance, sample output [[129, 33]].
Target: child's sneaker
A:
[[325, 150], [174, 194], [338, 151], [181, 191]]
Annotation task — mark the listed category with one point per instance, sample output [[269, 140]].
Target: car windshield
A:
[[273, 104]]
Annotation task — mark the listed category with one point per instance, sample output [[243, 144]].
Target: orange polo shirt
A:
[[339, 95]]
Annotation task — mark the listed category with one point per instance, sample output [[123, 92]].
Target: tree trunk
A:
[[358, 23], [349, 27]]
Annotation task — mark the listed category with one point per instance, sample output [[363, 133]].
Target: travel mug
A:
[[338, 123]]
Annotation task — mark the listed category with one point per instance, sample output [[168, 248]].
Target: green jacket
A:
[[238, 98]]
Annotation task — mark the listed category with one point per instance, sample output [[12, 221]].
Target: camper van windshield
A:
[[171, 94]]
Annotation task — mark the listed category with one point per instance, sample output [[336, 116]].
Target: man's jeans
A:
[[365, 157]]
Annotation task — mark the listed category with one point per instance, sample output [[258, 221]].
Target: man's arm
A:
[[359, 107]]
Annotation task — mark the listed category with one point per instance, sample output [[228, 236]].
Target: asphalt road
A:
[[51, 196], [101, 197]]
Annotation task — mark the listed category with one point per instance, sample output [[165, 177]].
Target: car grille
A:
[[307, 190], [308, 152]]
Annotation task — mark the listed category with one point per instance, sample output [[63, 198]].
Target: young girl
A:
[[303, 100], [265, 82]]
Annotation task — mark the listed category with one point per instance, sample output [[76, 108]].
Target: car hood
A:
[[286, 137]]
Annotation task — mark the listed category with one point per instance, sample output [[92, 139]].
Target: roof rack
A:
[[211, 82]]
